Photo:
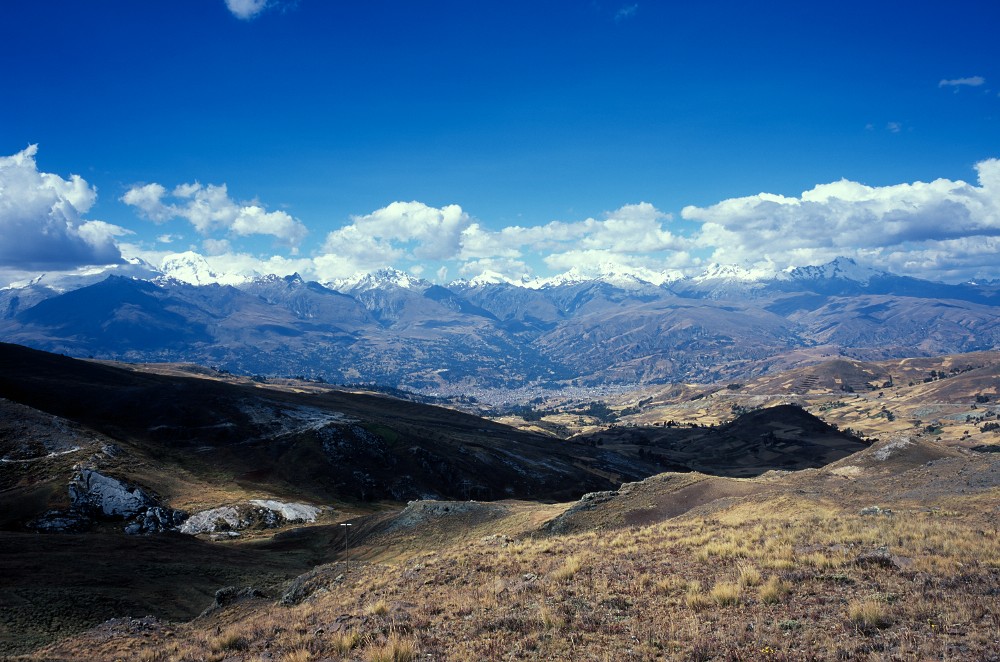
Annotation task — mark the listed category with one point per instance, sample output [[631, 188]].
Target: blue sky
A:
[[513, 137]]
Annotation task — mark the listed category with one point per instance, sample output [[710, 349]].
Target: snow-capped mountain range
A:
[[195, 269], [390, 327]]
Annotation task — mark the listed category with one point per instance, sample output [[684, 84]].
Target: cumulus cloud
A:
[[41, 219], [210, 209], [916, 225], [971, 81], [401, 231], [631, 235], [246, 9]]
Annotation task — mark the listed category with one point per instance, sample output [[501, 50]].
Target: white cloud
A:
[[149, 199], [216, 246], [397, 232], [41, 219], [246, 9], [403, 233], [630, 229], [971, 81], [210, 209], [886, 223], [894, 127]]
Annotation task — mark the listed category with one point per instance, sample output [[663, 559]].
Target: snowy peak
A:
[[490, 278], [636, 278], [842, 268], [66, 281], [625, 278], [737, 273], [192, 268], [380, 279]]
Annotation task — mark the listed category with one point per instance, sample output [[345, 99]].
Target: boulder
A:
[[93, 491]]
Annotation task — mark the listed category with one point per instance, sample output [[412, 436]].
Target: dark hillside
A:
[[784, 437]]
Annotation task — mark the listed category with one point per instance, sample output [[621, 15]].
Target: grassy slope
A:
[[776, 574]]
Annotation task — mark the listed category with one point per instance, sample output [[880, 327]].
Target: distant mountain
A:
[[618, 326]]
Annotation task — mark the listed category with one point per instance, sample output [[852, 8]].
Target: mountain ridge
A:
[[390, 328]]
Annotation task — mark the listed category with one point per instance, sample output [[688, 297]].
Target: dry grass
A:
[[343, 643], [749, 576], [773, 590], [668, 588], [868, 614], [695, 598], [378, 608], [395, 649], [568, 569], [298, 655], [725, 593]]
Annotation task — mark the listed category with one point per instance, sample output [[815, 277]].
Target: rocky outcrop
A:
[[231, 595], [255, 514], [419, 513], [93, 491], [95, 496]]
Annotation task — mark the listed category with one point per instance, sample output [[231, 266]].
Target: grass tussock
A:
[[378, 608], [395, 649], [297, 655], [773, 590], [869, 614], [725, 594], [749, 576], [695, 598], [568, 569], [343, 643]]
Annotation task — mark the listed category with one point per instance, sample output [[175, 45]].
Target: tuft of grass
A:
[[395, 649], [229, 641], [868, 614], [379, 608], [667, 585], [550, 619], [344, 642], [725, 593], [694, 598], [149, 655], [749, 575], [297, 655], [773, 590], [568, 569]]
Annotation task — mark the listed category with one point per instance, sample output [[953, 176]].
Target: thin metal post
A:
[[347, 546]]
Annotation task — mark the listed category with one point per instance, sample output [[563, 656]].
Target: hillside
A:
[[201, 479], [953, 398], [889, 553]]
